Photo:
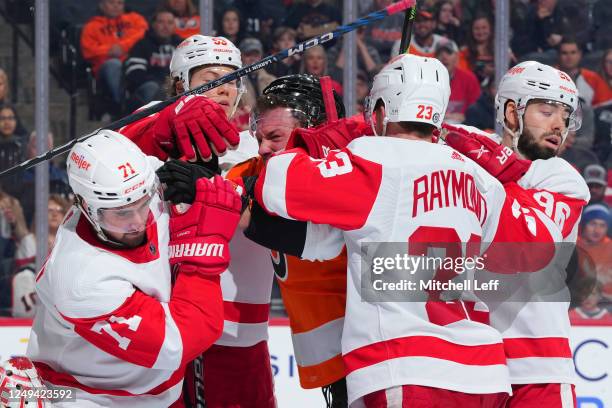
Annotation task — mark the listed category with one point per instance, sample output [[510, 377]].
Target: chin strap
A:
[[384, 130]]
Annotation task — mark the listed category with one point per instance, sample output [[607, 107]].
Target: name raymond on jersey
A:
[[195, 249], [448, 188]]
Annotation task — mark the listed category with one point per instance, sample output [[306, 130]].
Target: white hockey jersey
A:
[[247, 285], [395, 190], [536, 333], [111, 326]]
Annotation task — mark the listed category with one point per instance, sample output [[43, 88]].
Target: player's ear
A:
[[511, 116]]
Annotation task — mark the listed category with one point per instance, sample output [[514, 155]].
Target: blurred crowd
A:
[[128, 46]]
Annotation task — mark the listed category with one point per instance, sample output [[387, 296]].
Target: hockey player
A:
[[110, 325], [313, 293], [236, 371], [383, 190], [537, 105]]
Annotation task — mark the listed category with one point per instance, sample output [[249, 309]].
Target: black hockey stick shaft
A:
[[143, 113], [410, 15]]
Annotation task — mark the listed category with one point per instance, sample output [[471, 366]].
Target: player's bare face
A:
[[273, 130], [225, 95], [127, 225], [543, 127]]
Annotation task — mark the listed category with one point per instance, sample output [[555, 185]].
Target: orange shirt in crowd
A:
[[464, 59], [101, 33], [601, 254], [187, 26], [593, 88]]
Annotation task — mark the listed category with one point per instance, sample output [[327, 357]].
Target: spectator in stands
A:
[[13, 231], [602, 144], [482, 113], [384, 33], [58, 179], [602, 29], [106, 40], [312, 18], [477, 55], [148, 63], [424, 41], [284, 38], [4, 87], [591, 307], [187, 20], [314, 62], [551, 20], [468, 10], [592, 88], [57, 207], [368, 59], [261, 17], [465, 89], [521, 41], [447, 24], [252, 51], [594, 239], [606, 67], [362, 90], [231, 25], [596, 178], [12, 150], [23, 281]]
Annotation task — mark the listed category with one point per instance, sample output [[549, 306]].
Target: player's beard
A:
[[529, 148]]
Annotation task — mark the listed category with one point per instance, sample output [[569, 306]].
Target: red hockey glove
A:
[[195, 120], [199, 237], [335, 135], [499, 160]]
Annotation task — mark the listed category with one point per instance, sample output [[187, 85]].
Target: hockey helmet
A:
[[114, 180], [531, 80], [412, 89]]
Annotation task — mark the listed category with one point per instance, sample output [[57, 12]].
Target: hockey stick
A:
[[328, 99], [409, 17], [297, 49]]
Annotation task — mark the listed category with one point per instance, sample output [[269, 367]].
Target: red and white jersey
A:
[[536, 334], [396, 190], [247, 284], [107, 323]]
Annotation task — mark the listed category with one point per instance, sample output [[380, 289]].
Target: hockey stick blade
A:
[[232, 76]]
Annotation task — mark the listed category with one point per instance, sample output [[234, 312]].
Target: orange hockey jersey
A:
[[314, 294]]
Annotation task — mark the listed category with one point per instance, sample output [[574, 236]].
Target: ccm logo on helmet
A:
[[80, 161], [134, 187]]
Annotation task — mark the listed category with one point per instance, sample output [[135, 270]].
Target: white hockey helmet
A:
[[199, 50], [532, 80], [108, 173], [412, 89], [18, 374]]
